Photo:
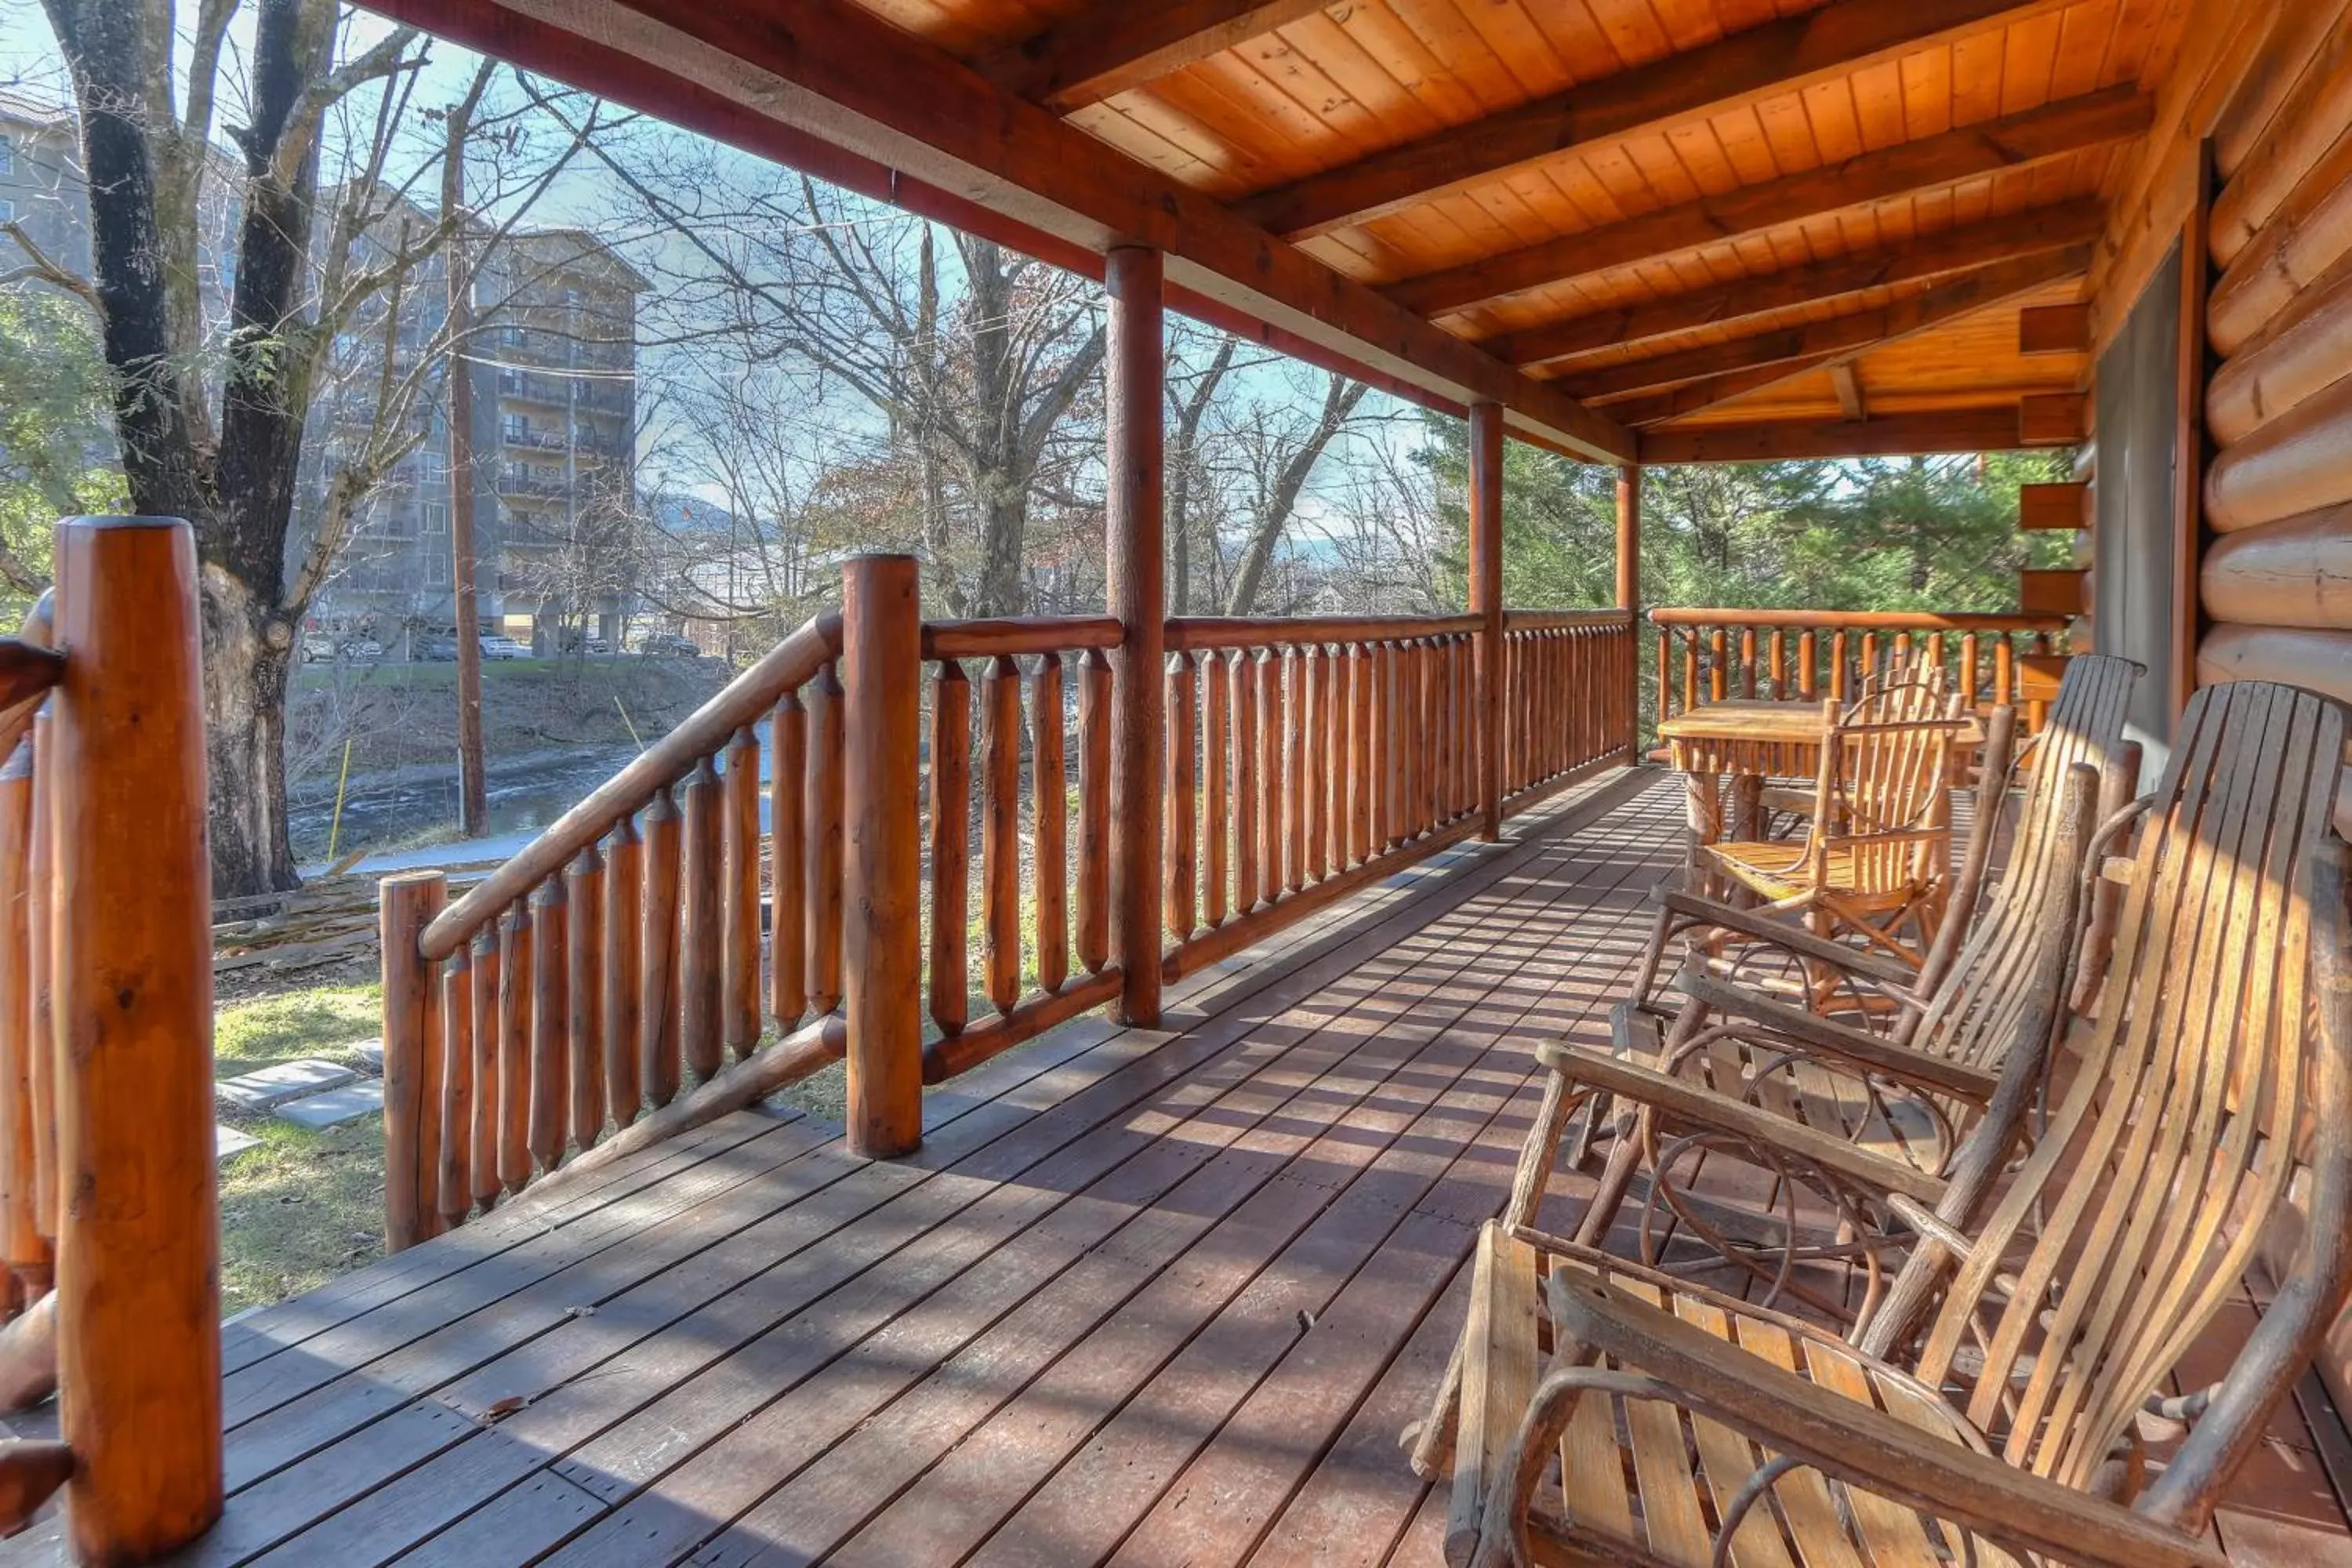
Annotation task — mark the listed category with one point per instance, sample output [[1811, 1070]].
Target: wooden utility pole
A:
[[1137, 594], [1628, 596], [1486, 601], [473, 790]]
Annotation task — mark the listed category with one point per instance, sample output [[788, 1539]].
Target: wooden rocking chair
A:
[[1675, 1426], [1880, 850]]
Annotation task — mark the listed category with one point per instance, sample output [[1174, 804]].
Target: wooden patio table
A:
[[1750, 740]]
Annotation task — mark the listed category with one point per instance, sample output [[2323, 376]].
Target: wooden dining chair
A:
[[1878, 855], [1612, 1414]]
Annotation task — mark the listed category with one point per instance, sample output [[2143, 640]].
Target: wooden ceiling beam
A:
[[1114, 45], [1851, 335], [1954, 250], [1782, 56], [1902, 435], [836, 74], [2069, 125]]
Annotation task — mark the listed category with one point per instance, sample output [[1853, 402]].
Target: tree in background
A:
[[57, 434], [322, 239]]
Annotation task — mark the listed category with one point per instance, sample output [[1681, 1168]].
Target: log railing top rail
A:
[[742, 701], [1858, 620], [1555, 620], [1027, 634], [1192, 634]]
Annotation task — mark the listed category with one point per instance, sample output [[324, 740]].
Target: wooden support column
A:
[[406, 904], [138, 1350], [1486, 601], [1629, 598], [1138, 594], [882, 677]]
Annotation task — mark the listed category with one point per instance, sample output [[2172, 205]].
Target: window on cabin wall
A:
[[2132, 493]]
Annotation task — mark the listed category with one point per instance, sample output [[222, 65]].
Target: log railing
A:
[[1037, 693], [1708, 655], [935, 868], [618, 959], [1568, 695], [109, 1215]]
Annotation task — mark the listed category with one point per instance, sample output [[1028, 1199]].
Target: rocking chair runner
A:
[[1686, 1427], [1880, 849]]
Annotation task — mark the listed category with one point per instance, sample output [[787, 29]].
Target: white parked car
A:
[[497, 646]]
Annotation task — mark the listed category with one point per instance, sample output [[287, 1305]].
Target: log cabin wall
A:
[[2275, 579]]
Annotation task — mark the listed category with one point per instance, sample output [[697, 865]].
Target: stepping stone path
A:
[[334, 1106], [273, 1086], [228, 1142]]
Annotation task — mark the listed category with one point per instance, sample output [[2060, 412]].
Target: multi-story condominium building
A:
[[553, 367], [552, 360]]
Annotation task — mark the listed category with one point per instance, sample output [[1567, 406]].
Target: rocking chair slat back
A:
[[2140, 1207], [1977, 1010]]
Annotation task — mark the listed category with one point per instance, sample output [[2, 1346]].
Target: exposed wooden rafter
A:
[[1784, 54], [1963, 430], [2066, 126], [1848, 383], [1849, 336], [844, 77], [1954, 250], [1114, 45]]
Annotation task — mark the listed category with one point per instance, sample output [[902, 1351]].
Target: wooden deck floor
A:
[[1145, 1297]]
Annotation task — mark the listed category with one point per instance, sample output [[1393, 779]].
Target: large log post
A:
[[406, 904], [1486, 601], [1629, 598], [138, 1262], [882, 675], [1137, 595]]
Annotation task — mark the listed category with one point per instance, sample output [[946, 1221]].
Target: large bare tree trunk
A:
[[247, 657], [1275, 508]]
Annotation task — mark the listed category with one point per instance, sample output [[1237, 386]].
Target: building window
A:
[[512, 337], [429, 467], [436, 517], [7, 210], [436, 569], [517, 427], [7, 154]]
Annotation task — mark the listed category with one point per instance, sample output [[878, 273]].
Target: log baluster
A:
[[1294, 778], [1000, 833], [1094, 811], [42, 914], [1968, 678], [549, 1025], [824, 841], [1180, 817], [1049, 787], [1335, 760], [583, 895], [490, 1072], [699, 945], [1362, 674], [1270, 763], [658, 953], [1840, 688], [514, 973], [738, 916], [788, 776], [1315, 692], [1718, 665], [950, 810], [625, 882], [1216, 808], [454, 1182], [2004, 671], [27, 1254], [1240, 673]]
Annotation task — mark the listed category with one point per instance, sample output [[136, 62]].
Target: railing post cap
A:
[[879, 558], [424, 877], [110, 520]]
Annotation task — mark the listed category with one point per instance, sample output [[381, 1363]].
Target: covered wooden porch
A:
[[1163, 1283], [1145, 1296]]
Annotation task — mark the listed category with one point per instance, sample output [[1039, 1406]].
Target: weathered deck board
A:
[[1144, 1297]]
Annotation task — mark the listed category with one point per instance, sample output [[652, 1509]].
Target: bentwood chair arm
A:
[[1793, 1029], [1782, 932]]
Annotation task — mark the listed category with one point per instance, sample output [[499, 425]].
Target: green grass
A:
[[324, 1022], [303, 1206]]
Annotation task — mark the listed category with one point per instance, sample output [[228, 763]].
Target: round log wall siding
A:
[[2276, 584]]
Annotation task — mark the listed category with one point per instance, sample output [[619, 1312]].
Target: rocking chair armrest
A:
[[1690, 1104], [1810, 1031], [1861, 1444], [1785, 933]]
